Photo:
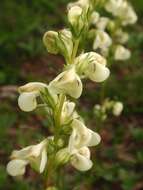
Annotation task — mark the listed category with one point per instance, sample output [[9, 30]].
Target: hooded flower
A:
[[28, 94], [68, 82], [35, 155], [93, 66], [121, 53], [102, 40], [80, 139]]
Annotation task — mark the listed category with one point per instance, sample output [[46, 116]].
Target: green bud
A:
[[62, 156], [50, 39]]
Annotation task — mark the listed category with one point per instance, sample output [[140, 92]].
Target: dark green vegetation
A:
[[119, 158]]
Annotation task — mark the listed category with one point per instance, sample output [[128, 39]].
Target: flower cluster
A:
[[71, 138], [55, 97], [108, 32], [109, 106]]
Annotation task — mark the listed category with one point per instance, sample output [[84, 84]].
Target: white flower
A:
[[82, 136], [102, 23], [93, 66], [28, 93], [121, 53], [121, 37], [114, 6], [128, 16], [68, 82], [81, 159], [35, 155], [123, 10], [117, 108], [94, 17], [102, 40], [67, 112], [80, 139]]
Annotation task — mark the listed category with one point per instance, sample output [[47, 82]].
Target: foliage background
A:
[[23, 58]]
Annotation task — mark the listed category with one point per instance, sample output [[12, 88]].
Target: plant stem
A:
[[75, 49]]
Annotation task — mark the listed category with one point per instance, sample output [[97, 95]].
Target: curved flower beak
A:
[[68, 82], [97, 72], [121, 53], [28, 93], [81, 160]]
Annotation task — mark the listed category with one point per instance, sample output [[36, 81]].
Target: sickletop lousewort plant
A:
[[71, 138]]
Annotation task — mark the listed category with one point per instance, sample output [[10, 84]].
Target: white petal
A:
[[32, 86], [67, 82], [80, 136], [84, 151], [27, 101], [97, 72], [95, 138], [81, 163], [16, 167], [43, 160]]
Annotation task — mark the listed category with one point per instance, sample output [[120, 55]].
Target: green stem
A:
[[75, 49]]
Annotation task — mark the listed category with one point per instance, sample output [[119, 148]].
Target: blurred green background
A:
[[23, 58]]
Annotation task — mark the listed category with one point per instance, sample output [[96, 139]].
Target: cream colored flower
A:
[[67, 112], [81, 159], [80, 139], [28, 94], [117, 108], [102, 23], [121, 37], [35, 155], [94, 17], [68, 82], [102, 40], [121, 53], [82, 136], [123, 10], [93, 66], [114, 6]]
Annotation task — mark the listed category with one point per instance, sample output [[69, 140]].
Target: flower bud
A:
[[117, 108], [59, 42], [67, 112], [102, 40], [62, 156], [50, 41], [121, 53], [94, 17]]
